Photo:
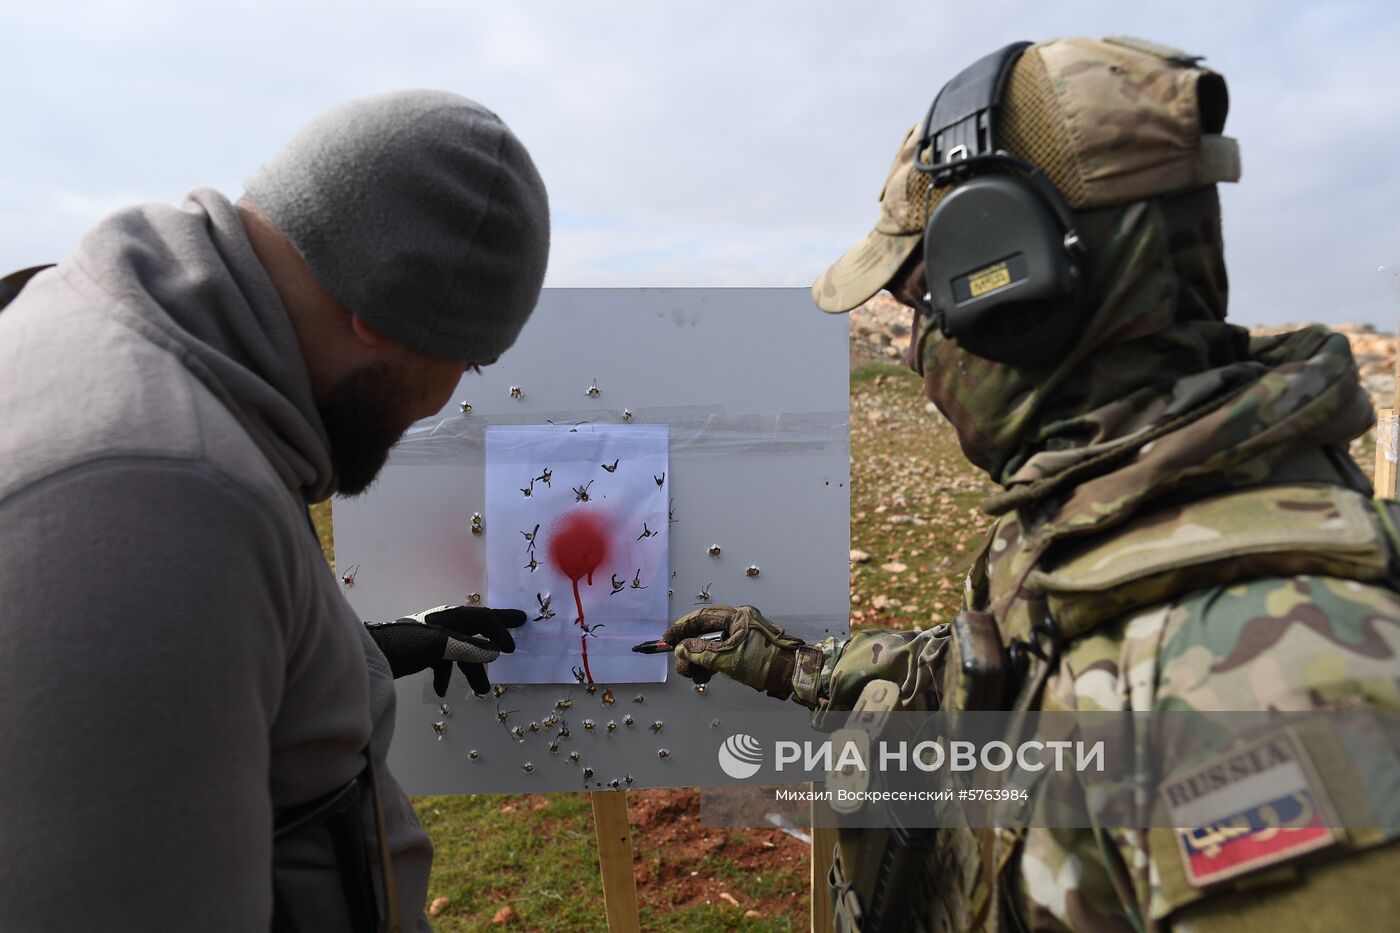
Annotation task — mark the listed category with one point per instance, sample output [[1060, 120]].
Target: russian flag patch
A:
[[1254, 806]]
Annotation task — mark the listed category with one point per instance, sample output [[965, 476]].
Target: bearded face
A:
[[365, 415]]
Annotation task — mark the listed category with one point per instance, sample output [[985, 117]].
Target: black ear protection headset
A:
[[1000, 249]]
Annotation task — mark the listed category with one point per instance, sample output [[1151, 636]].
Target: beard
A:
[[364, 418]]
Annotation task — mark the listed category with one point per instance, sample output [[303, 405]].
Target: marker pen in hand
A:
[[661, 647]]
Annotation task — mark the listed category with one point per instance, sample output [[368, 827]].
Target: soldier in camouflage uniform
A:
[[1176, 500]]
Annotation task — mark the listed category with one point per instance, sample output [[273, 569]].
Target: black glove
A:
[[473, 636]]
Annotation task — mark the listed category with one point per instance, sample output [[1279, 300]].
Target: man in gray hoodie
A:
[[185, 694]]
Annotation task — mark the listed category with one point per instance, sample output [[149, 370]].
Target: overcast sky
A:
[[710, 143]]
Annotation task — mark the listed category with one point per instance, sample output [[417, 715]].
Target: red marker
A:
[[661, 647]]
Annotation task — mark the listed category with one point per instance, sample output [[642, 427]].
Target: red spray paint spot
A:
[[578, 545]]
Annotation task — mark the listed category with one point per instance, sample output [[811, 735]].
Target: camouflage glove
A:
[[750, 649]]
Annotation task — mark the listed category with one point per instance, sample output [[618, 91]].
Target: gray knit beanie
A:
[[422, 213]]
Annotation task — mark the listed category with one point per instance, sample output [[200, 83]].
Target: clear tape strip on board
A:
[[696, 431], [799, 623]]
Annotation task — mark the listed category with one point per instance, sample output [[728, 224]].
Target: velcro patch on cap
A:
[[1254, 806]]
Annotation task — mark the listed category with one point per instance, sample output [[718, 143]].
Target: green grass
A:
[[867, 373], [497, 850], [913, 502], [321, 518]]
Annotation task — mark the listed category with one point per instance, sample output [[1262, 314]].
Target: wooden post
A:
[[1384, 478], [1385, 469], [1385, 481], [823, 842], [1395, 395], [615, 860]]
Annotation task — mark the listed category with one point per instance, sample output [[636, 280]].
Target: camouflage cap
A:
[[1109, 121], [871, 263]]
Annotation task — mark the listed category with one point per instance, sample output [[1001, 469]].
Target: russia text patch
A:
[[1256, 805]]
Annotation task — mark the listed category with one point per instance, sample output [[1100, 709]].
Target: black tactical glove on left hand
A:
[[472, 636]]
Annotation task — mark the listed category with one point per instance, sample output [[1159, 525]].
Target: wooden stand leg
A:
[[1384, 479], [615, 860], [823, 842]]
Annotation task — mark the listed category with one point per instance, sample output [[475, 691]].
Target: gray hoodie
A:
[[176, 660]]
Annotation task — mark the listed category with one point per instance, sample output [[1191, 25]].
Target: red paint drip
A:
[[582, 639], [578, 545]]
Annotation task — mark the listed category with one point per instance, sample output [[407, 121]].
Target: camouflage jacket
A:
[[1159, 606]]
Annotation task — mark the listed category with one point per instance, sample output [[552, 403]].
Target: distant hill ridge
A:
[[880, 331]]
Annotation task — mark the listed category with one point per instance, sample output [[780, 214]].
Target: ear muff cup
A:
[[1000, 275]]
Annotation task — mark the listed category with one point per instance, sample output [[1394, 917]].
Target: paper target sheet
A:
[[578, 520]]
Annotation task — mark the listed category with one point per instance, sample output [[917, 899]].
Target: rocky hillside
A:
[[880, 330]]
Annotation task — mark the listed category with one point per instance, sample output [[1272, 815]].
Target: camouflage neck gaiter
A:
[[1156, 355]]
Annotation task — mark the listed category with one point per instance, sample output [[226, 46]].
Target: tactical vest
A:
[[1024, 606]]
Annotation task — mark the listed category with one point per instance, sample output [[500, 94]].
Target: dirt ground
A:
[[673, 857]]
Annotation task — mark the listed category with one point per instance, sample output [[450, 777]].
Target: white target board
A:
[[703, 435]]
